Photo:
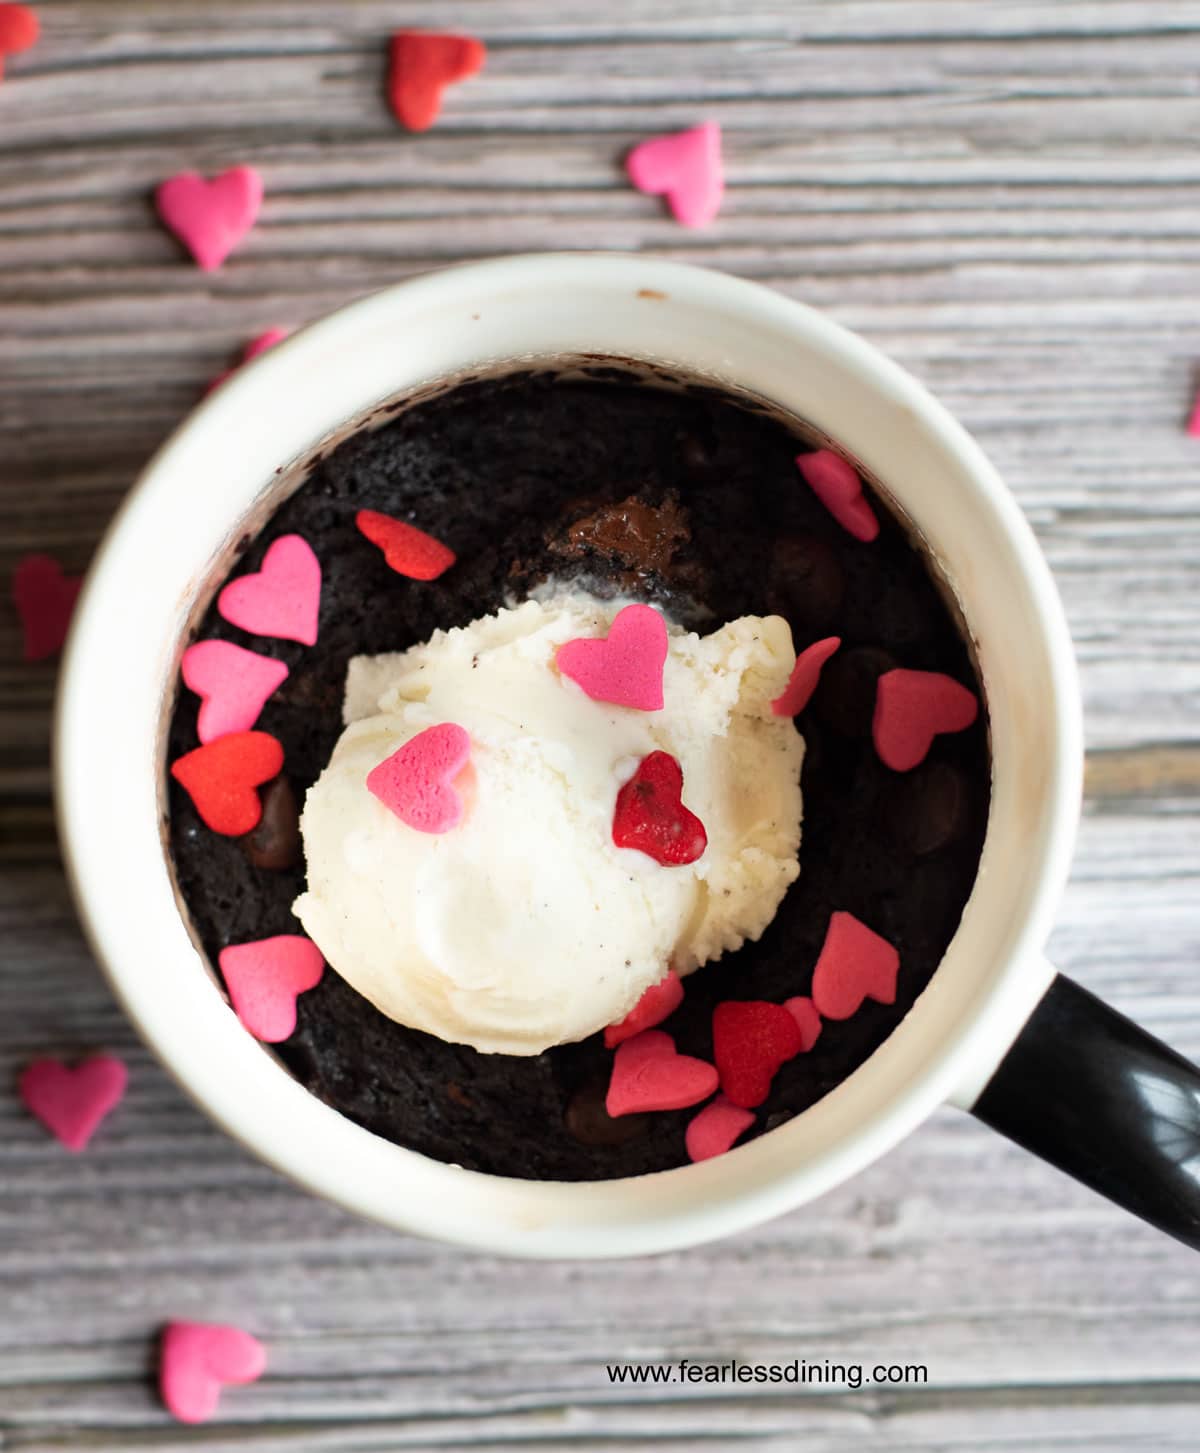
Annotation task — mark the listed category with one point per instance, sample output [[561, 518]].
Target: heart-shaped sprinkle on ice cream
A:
[[656, 1003], [806, 674], [417, 782], [650, 815], [624, 668]]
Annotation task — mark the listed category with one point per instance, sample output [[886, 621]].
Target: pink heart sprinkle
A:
[[715, 1129], [648, 1074], [210, 218], [840, 490], [264, 978], [913, 707], [626, 668], [686, 166], [417, 782], [71, 1103], [263, 342], [233, 685], [804, 1012], [282, 599], [197, 1358], [252, 350], [652, 1008], [1193, 423], [806, 673], [854, 964]]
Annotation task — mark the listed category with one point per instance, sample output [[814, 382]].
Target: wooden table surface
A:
[[1006, 197]]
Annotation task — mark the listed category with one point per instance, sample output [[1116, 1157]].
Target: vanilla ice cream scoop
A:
[[524, 925]]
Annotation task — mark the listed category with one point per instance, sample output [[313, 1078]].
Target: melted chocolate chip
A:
[[804, 581], [640, 536], [275, 842], [928, 808], [590, 1123], [696, 455], [845, 699]]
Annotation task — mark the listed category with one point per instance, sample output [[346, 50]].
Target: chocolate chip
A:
[[804, 580], [696, 455], [845, 699], [928, 808], [590, 1123], [643, 537], [275, 842]]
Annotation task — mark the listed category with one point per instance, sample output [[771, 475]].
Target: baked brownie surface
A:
[[687, 498]]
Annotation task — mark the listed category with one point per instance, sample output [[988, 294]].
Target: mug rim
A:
[[242, 1085]]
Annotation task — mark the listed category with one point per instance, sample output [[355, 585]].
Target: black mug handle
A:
[[1087, 1090]]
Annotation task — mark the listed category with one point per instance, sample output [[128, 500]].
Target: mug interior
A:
[[220, 475]]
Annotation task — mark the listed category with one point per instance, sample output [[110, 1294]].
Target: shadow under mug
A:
[[995, 1031]]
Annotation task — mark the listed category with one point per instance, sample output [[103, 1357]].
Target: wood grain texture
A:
[[1004, 196]]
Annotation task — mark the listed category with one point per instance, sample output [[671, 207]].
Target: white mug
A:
[[213, 476]]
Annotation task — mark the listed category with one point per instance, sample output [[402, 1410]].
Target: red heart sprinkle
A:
[[652, 1008], [406, 549], [751, 1039], [715, 1129], [650, 815], [19, 29], [913, 707], [71, 1103], [804, 1012], [196, 1358], [806, 673], [840, 490], [854, 964], [220, 778], [265, 977], [44, 598], [423, 64], [648, 1074], [626, 666]]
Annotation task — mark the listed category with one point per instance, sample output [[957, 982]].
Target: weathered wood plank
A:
[[957, 1252]]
